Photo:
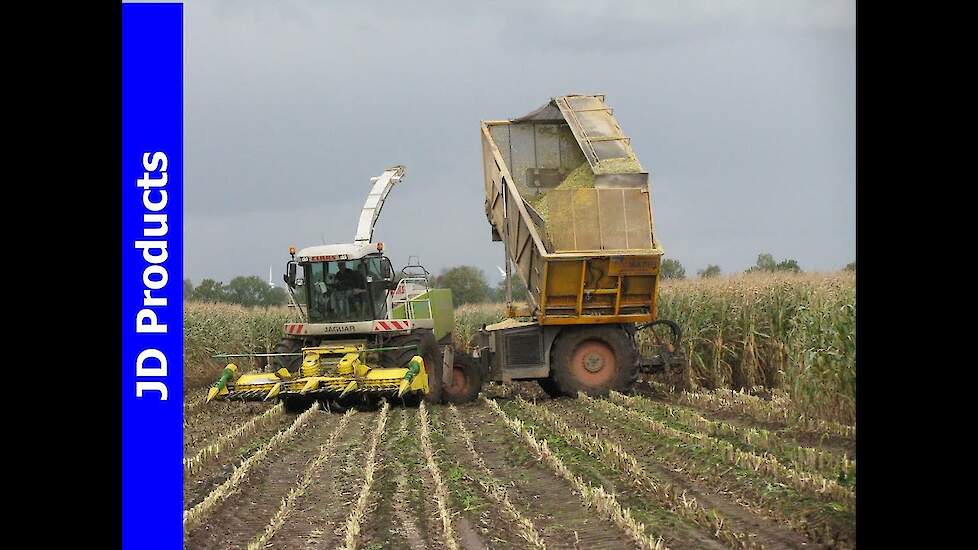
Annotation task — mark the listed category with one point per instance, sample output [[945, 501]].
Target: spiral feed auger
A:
[[326, 372]]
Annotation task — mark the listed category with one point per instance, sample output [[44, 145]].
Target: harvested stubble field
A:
[[712, 468]]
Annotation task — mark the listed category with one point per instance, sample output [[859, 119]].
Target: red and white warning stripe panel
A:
[[295, 328], [392, 324]]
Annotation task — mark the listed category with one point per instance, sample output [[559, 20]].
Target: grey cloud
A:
[[291, 107], [613, 26]]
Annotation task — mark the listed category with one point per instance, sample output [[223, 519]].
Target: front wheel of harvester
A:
[[594, 360], [429, 351], [466, 380], [288, 362]]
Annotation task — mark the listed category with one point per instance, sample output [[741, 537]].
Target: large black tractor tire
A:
[[288, 362], [425, 341], [594, 360], [550, 386], [466, 380]]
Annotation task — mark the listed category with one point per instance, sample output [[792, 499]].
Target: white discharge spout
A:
[[382, 186]]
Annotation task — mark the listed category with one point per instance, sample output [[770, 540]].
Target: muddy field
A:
[[518, 470]]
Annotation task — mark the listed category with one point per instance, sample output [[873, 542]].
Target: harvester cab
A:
[[364, 333], [343, 283]]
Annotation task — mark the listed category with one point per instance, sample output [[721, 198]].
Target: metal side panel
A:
[[597, 130], [523, 155], [521, 352], [601, 221]]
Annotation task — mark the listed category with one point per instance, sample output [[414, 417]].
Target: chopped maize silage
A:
[[628, 165], [548, 204], [580, 178]]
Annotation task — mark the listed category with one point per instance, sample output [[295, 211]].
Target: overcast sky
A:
[[743, 112]]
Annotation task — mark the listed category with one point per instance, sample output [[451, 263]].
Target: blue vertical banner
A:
[[152, 275]]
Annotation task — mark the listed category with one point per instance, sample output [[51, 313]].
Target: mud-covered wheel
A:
[[594, 360], [466, 380], [550, 386], [289, 362], [425, 341]]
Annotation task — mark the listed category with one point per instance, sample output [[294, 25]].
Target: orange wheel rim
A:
[[460, 384], [593, 363]]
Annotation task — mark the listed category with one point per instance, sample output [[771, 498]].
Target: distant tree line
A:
[[469, 286], [467, 283], [673, 269], [711, 270], [765, 262], [246, 291]]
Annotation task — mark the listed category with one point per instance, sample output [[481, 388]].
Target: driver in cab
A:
[[349, 283], [347, 279]]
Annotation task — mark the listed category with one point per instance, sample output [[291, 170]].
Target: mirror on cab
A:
[[290, 274], [387, 272]]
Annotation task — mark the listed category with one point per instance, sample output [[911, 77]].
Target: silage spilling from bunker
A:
[[553, 203]]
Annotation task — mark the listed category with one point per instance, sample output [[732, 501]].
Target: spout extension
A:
[[381, 187]]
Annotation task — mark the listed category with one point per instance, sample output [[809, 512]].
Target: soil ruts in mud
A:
[[801, 435], [215, 471], [715, 484], [243, 515], [548, 501], [402, 510], [204, 425], [677, 533], [760, 530], [480, 522]]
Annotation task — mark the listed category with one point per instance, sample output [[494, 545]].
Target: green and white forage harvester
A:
[[364, 333]]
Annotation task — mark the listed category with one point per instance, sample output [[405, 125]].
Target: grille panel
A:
[[523, 349]]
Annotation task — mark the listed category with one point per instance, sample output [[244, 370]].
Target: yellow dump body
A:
[[587, 254]]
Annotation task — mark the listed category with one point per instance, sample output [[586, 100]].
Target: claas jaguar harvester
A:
[[567, 196], [363, 335]]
